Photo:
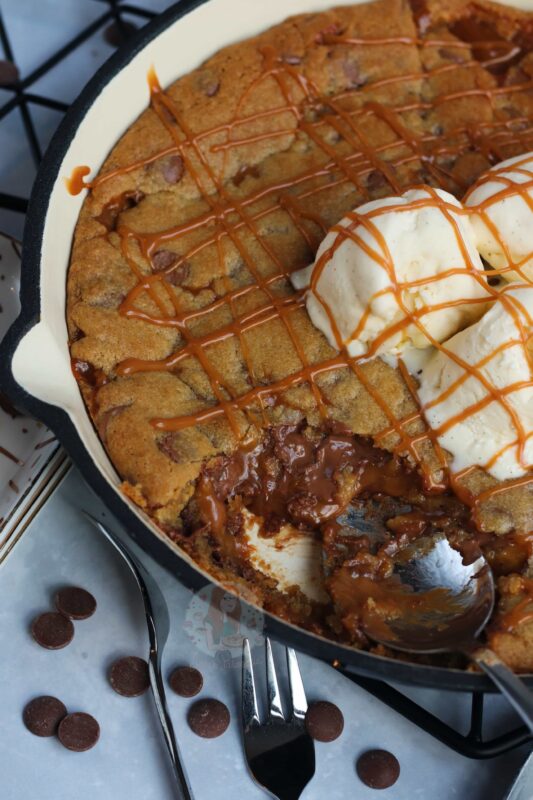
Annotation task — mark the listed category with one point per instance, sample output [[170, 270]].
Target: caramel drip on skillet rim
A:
[[232, 215]]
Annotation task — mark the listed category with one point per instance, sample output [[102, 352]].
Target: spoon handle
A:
[[507, 682]]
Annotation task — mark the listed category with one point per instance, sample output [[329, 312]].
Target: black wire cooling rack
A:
[[471, 744], [117, 22]]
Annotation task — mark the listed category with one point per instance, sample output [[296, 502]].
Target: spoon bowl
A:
[[435, 603], [445, 603]]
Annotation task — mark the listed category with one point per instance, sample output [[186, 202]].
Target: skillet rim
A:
[[57, 419]]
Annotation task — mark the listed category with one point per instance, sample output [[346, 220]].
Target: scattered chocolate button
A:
[[43, 714], [78, 731], [378, 769], [208, 718], [324, 721], [9, 73], [186, 681], [52, 630], [75, 603], [129, 676]]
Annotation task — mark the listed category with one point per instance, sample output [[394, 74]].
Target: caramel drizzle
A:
[[296, 92]]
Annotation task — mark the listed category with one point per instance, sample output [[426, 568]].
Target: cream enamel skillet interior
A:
[[36, 368]]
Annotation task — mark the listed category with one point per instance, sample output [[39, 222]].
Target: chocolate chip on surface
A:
[[208, 718], [324, 721], [378, 769], [75, 602], [173, 169], [208, 82], [186, 681], [78, 731], [352, 73], [162, 259], [129, 676], [42, 715], [179, 274], [376, 180], [52, 630], [9, 73], [111, 211]]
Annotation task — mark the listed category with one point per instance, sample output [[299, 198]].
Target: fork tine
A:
[[250, 712], [298, 698], [274, 698]]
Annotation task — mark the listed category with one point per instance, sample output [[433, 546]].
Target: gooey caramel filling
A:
[[307, 478]]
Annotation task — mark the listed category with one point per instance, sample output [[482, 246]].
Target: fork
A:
[[279, 752], [158, 623]]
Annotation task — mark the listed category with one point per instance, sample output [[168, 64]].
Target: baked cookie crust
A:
[[185, 333]]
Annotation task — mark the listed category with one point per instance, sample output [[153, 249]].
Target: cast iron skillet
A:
[[57, 419]]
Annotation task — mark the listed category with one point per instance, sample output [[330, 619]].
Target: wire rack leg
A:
[[472, 745]]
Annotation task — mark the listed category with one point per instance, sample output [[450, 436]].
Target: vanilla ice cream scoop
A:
[[502, 217], [476, 390], [396, 273]]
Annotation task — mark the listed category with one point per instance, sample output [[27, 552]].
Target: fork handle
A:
[[158, 691], [507, 682]]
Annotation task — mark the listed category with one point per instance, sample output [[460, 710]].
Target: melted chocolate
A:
[[111, 211], [87, 373], [421, 15], [308, 478], [493, 51], [291, 477], [243, 172]]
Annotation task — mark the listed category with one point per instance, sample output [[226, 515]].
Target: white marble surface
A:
[[129, 762]]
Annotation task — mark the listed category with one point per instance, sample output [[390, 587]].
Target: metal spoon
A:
[[158, 623], [447, 605]]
